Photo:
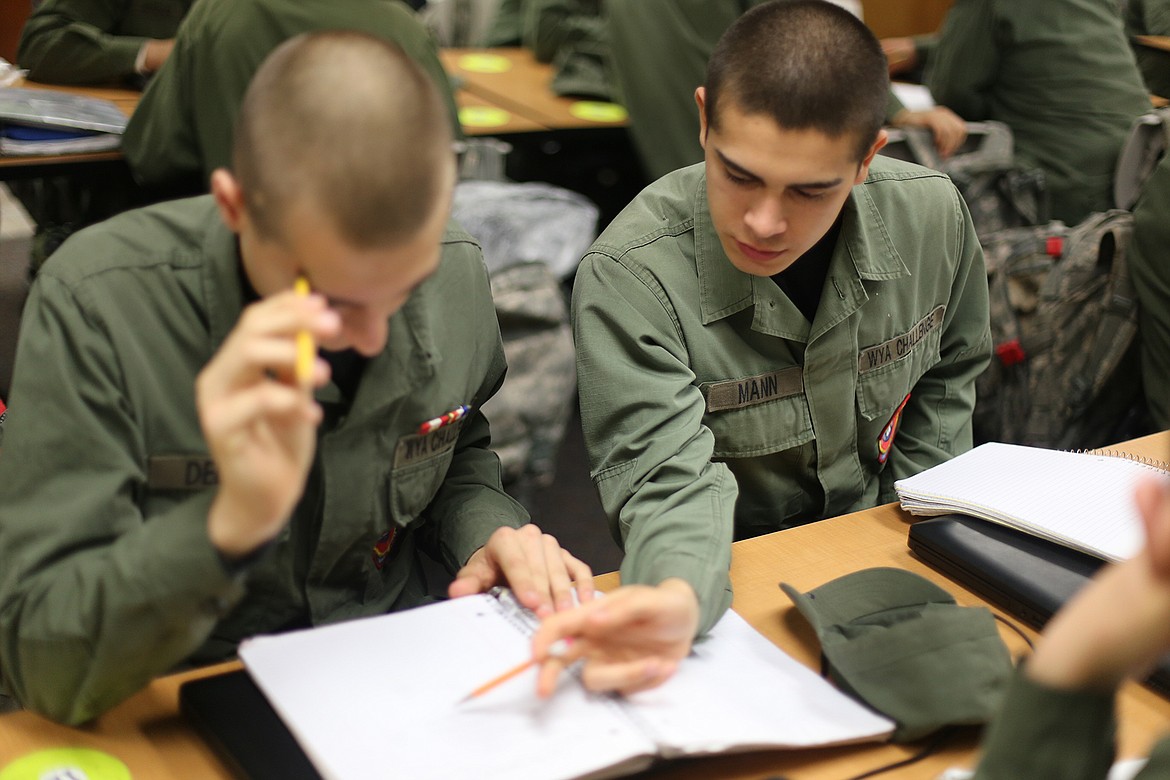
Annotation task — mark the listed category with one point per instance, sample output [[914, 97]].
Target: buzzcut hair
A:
[[349, 124], [807, 64]]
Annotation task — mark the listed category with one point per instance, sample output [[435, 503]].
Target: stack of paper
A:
[[37, 121], [1081, 500]]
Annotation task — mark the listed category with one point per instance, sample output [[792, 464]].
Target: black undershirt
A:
[[804, 280]]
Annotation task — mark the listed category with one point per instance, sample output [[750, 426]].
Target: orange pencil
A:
[[558, 649]]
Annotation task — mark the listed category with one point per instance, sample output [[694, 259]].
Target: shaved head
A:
[[347, 124]]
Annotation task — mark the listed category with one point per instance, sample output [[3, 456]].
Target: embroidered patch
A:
[[181, 472], [899, 347], [752, 390], [382, 548], [418, 447], [886, 440]]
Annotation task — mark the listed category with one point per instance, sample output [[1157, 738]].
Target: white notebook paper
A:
[[1079, 499], [383, 695]]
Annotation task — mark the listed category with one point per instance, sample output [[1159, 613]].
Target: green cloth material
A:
[[1150, 17], [661, 318], [109, 577], [659, 51], [182, 129], [1069, 91], [1150, 266], [93, 41], [901, 644]]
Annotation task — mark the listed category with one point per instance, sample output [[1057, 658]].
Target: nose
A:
[[765, 218], [366, 332]]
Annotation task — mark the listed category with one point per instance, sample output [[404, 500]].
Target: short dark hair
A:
[[808, 64], [350, 122]]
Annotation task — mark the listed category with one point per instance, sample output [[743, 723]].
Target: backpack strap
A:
[[1147, 141]]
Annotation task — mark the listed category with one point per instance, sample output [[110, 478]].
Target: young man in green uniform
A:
[[776, 335], [175, 480], [182, 129], [1060, 74], [91, 42], [1057, 721]]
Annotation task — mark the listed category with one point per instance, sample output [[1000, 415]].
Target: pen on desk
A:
[[306, 350], [446, 419], [557, 649]]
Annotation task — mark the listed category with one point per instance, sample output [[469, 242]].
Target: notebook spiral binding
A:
[[513, 611], [1145, 460]]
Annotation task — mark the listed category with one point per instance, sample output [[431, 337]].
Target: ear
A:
[[863, 170], [229, 198], [701, 101]]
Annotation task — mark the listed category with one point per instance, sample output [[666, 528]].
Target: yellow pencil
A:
[[556, 650], [306, 349]]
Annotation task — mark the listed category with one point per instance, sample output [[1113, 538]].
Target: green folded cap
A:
[[900, 644]]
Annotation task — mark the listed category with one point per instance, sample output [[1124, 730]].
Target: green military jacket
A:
[[1047, 734], [1151, 275], [182, 129], [93, 41], [1068, 91], [659, 51], [713, 410], [1150, 17], [109, 577]]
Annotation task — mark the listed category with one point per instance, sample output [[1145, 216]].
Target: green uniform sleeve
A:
[[161, 142], [964, 64], [894, 106], [94, 600], [1045, 733], [669, 505], [936, 423], [93, 41], [1151, 274], [471, 503], [69, 42]]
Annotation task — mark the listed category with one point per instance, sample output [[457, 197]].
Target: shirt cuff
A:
[[140, 60]]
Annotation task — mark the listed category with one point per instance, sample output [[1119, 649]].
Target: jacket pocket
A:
[[752, 431], [881, 389]]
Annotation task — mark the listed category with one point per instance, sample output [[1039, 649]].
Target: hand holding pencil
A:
[[259, 418]]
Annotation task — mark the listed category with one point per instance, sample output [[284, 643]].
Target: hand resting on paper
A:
[[948, 128], [631, 640], [539, 571]]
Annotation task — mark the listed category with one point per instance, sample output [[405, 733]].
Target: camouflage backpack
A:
[[1063, 325], [998, 191], [532, 235]]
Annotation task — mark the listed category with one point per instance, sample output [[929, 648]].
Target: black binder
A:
[[231, 713], [1026, 576]]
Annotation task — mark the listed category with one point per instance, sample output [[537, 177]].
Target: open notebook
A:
[[1078, 499], [383, 694]]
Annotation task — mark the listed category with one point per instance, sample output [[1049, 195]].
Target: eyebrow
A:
[[739, 170]]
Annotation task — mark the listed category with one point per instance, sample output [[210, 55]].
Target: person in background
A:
[[660, 50], [99, 41], [1068, 91], [182, 129], [768, 338], [1057, 721], [181, 471]]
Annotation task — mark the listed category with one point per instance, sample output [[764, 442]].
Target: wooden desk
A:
[[521, 85], [147, 733]]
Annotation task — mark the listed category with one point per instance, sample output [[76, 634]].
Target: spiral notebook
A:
[[384, 694], [1083, 500]]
